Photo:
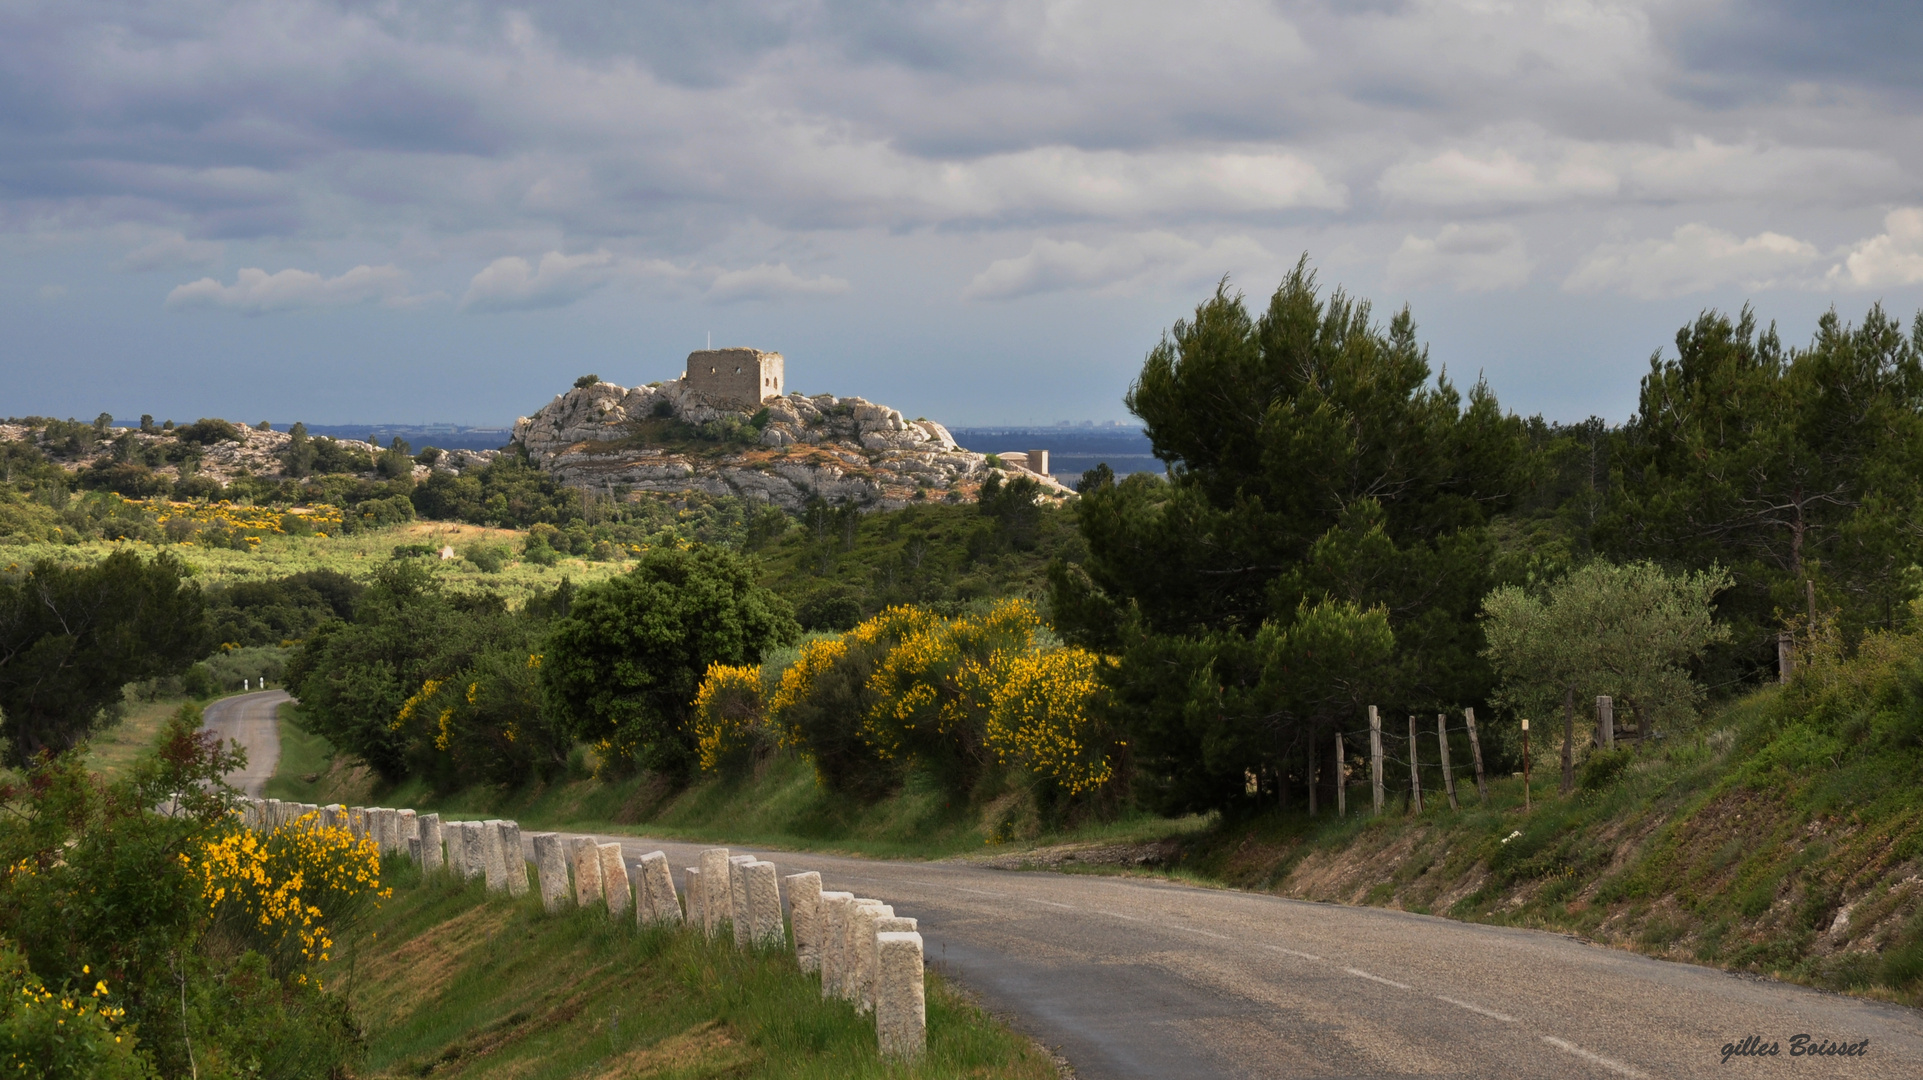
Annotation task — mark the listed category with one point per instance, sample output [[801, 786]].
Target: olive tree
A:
[[1629, 630]]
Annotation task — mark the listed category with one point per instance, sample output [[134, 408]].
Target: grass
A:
[[111, 751], [355, 554], [306, 762], [452, 982], [1737, 847], [781, 806]]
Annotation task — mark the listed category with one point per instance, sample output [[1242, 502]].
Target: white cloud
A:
[[1060, 179], [509, 283], [1694, 258], [1056, 265], [1526, 166], [1460, 177], [770, 282], [1471, 258], [256, 291], [170, 249], [1893, 257]]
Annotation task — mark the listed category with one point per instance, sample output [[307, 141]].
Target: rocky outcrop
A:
[[252, 452], [666, 437]]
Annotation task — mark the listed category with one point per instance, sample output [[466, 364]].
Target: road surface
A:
[[252, 721], [1134, 978]]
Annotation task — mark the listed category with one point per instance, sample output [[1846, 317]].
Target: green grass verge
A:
[[450, 981], [111, 751], [1760, 844], [781, 806]]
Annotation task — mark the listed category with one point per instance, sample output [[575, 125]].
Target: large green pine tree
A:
[[1799, 470], [1319, 472]]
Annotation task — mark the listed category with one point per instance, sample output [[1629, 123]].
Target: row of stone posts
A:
[[863, 952]]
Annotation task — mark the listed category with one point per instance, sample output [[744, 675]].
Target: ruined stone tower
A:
[[742, 378]]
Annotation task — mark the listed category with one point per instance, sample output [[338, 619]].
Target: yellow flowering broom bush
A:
[[288, 893], [730, 719], [62, 1035], [228, 524], [950, 696], [933, 689], [1042, 719]]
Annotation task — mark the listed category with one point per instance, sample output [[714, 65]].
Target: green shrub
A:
[[207, 432], [1602, 768], [537, 551], [488, 558], [62, 1034]]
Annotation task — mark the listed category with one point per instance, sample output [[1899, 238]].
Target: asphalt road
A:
[[253, 721], [1139, 978], [1143, 978]]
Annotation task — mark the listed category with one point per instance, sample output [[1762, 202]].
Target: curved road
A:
[[1143, 978], [252, 721]]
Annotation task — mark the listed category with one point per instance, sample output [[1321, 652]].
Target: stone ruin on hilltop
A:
[[734, 431]]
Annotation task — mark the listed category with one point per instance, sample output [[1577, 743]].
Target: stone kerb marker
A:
[[716, 901], [614, 878], [493, 859], [407, 827], [738, 899], [831, 916], [804, 899], [663, 907], [475, 858], [377, 828], [901, 1009], [765, 929], [431, 857], [862, 942], [587, 870], [456, 834], [691, 879], [551, 869], [513, 859]]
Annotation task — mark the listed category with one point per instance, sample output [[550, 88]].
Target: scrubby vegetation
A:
[[144, 933], [1339, 527]]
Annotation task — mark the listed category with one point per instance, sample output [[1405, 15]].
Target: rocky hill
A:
[[666, 437], [214, 449]]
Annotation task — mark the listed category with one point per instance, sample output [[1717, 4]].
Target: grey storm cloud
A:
[[1467, 145]]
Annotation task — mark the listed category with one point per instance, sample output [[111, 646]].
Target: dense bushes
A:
[[71, 637], [622, 668], [356, 679], [193, 948], [909, 689]]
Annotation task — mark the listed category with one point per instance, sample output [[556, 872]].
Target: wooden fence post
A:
[[1415, 767], [1606, 721], [1448, 778], [1375, 754], [1341, 780], [1475, 751], [1525, 763]]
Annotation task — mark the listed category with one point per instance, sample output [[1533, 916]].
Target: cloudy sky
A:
[[980, 212]]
